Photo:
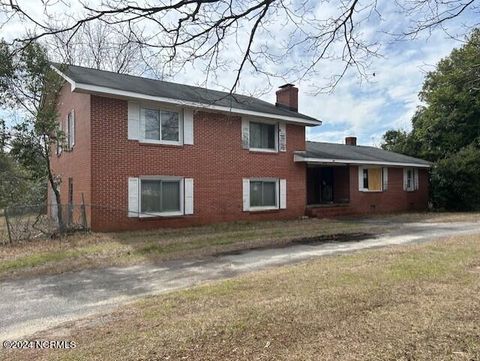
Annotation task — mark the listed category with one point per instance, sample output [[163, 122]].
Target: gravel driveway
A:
[[31, 305]]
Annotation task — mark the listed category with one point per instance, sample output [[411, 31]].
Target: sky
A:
[[365, 109]]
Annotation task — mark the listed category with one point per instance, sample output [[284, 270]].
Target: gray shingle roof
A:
[[343, 152], [164, 89]]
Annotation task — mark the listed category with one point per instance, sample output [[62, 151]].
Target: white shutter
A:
[[360, 178], [246, 194], [72, 130], [415, 178], [133, 198], [405, 178], [245, 133], [67, 133], [188, 195], [283, 194], [133, 120], [282, 137], [385, 178], [187, 126], [60, 143]]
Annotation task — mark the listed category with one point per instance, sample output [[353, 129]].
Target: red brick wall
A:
[[216, 161], [395, 199], [75, 163]]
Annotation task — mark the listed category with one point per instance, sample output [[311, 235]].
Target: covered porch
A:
[[328, 185], [328, 190]]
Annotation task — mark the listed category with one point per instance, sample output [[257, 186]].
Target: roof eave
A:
[[88, 88], [299, 157]]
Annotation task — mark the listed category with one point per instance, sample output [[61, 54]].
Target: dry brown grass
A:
[[82, 251], [415, 302], [431, 217]]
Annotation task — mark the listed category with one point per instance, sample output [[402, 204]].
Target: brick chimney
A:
[[287, 97], [351, 140]]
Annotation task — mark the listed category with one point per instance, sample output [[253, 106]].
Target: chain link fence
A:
[[29, 222]]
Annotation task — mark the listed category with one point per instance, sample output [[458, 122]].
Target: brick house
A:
[[144, 153]]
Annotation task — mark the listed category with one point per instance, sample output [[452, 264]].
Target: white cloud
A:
[[365, 110]]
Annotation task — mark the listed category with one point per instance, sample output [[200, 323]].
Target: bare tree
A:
[[243, 35], [98, 45], [428, 15]]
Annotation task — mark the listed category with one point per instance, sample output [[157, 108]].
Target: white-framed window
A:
[[372, 179], [410, 179], [160, 126], [150, 196], [161, 196], [264, 135], [264, 194]]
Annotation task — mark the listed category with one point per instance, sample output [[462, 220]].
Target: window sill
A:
[[260, 150], [160, 215], [369, 191], [160, 144], [263, 209]]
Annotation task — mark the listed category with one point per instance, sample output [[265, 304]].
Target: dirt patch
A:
[[310, 241]]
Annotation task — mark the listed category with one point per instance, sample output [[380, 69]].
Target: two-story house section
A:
[[144, 153], [147, 153]]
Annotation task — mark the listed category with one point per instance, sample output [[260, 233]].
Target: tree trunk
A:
[[53, 184]]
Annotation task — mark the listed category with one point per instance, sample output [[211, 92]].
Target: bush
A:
[[455, 181]]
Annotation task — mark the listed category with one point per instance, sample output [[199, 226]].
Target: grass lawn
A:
[[91, 250], [82, 251], [414, 302]]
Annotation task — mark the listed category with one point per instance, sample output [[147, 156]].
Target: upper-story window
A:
[[160, 125], [263, 136]]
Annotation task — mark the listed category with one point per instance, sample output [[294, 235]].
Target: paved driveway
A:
[[31, 305]]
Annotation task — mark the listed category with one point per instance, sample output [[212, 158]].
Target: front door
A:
[[326, 185]]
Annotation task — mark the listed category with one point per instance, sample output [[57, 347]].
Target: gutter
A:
[[300, 158]]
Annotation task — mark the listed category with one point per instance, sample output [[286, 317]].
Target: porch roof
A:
[[333, 153]]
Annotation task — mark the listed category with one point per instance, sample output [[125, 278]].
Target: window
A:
[[263, 194], [160, 196], [160, 126], [263, 136], [372, 179], [410, 179], [365, 178]]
